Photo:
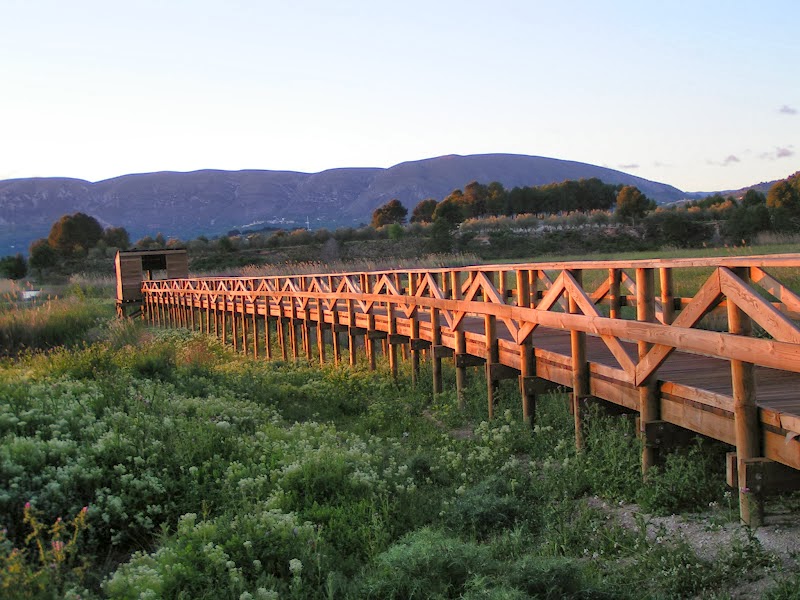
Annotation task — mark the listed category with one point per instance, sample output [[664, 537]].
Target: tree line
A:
[[70, 239]]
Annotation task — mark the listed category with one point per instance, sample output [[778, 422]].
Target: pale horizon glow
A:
[[699, 95]]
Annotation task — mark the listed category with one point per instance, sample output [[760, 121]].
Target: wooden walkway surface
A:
[[722, 361]]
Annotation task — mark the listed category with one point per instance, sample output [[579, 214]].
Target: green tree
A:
[[74, 234], [423, 212], [753, 198], [117, 237], [783, 200], [632, 204], [785, 194], [442, 238], [41, 256], [391, 212], [449, 210], [13, 267]]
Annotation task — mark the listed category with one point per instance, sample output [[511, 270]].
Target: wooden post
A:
[[580, 368], [335, 342], [412, 290], [667, 295], [648, 400], [526, 356], [745, 415], [223, 319], [390, 339], [216, 317], [280, 324], [615, 275], [244, 326], [436, 361], [255, 328], [461, 346], [267, 334], [351, 338], [321, 336], [492, 357], [370, 342], [235, 323], [307, 339]]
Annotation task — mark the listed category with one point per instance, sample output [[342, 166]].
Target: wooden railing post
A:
[[667, 295], [648, 392], [614, 275], [224, 318], [580, 368], [412, 290], [436, 359], [745, 415], [492, 358], [526, 357], [461, 346]]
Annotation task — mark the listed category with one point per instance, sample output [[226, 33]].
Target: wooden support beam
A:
[[398, 339], [461, 344], [321, 339], [357, 330], [370, 342], [463, 360], [745, 415], [492, 358], [527, 359], [436, 359], [648, 392], [762, 476], [667, 436], [580, 367], [419, 344], [414, 337], [267, 335], [441, 352], [536, 386], [498, 371]]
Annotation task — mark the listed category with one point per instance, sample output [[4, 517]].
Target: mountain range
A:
[[212, 202]]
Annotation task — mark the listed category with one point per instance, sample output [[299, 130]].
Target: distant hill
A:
[[211, 202]]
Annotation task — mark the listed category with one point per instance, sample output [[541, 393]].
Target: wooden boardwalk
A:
[[723, 362]]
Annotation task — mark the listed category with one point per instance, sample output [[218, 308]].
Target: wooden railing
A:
[[614, 330]]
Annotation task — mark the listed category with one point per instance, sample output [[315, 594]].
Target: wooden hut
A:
[[135, 266]]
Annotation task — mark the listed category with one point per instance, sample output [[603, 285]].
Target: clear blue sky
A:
[[703, 95]]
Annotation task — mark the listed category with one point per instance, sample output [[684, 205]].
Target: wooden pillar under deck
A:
[[648, 394], [745, 415], [461, 346], [335, 342], [267, 334], [436, 361], [412, 290], [580, 368], [223, 320], [492, 358], [280, 324], [526, 356]]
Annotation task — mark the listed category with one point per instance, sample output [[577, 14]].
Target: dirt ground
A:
[[779, 536]]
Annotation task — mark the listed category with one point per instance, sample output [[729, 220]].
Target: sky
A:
[[702, 95]]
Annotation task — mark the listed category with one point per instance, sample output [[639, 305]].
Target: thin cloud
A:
[[629, 167], [730, 160], [787, 110], [780, 152]]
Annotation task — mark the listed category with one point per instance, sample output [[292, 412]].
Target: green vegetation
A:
[[206, 474]]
